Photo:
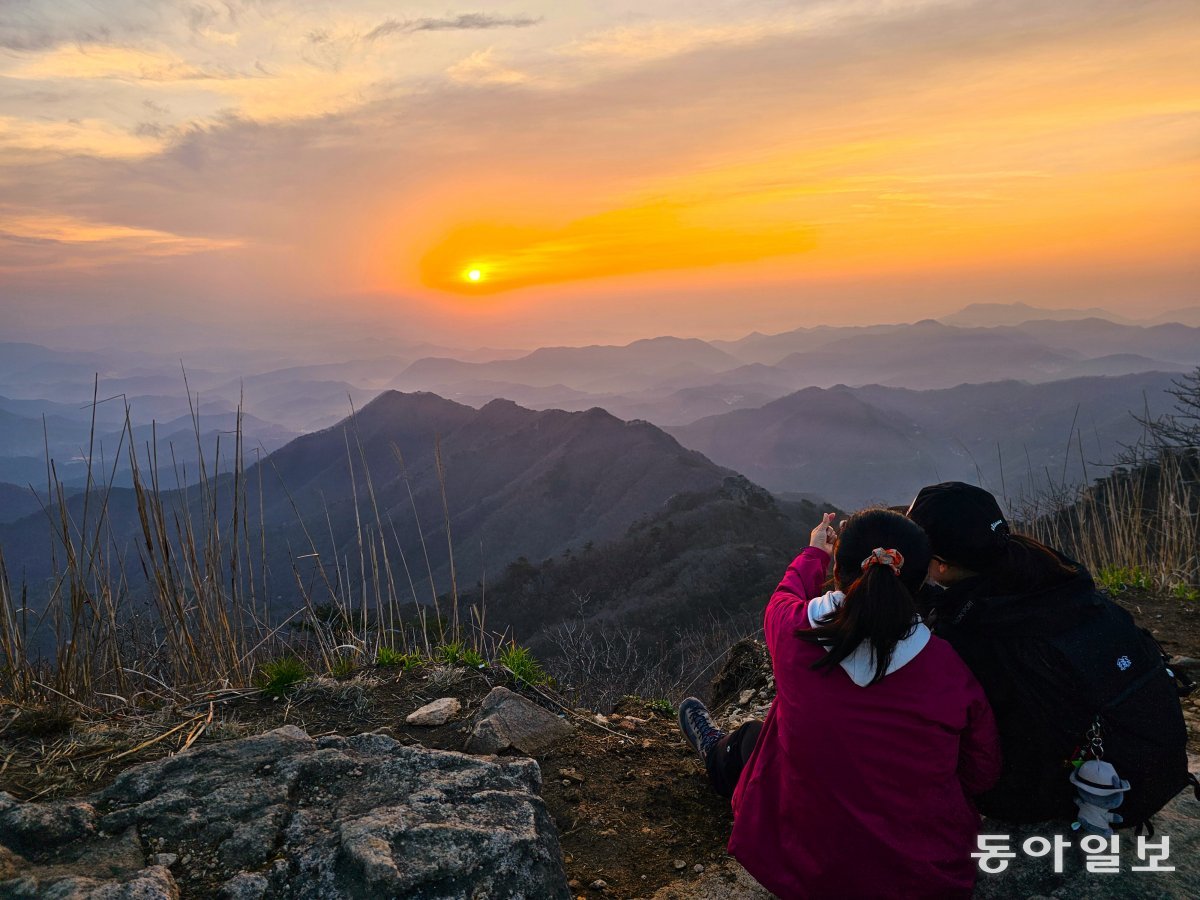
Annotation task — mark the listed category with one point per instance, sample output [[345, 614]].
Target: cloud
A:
[[36, 25], [28, 139], [638, 238], [464, 22], [103, 61], [1008, 115], [44, 240], [660, 40], [482, 67]]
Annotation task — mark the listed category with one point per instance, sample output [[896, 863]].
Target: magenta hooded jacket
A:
[[862, 791]]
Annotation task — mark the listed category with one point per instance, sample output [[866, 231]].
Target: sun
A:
[[474, 275]]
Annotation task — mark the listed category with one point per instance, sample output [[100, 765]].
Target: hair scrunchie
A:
[[881, 557]]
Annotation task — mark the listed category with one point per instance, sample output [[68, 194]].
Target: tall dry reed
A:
[[186, 605]]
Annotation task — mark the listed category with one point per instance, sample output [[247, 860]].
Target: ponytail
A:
[[879, 608]]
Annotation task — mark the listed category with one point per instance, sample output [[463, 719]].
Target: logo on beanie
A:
[[1124, 663], [997, 524]]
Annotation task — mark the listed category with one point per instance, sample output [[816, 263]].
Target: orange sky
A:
[[704, 168]]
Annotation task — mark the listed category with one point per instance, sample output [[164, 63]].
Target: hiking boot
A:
[[698, 726]]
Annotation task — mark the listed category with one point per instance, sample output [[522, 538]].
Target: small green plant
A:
[[276, 676], [342, 666], [456, 653], [522, 664], [663, 707], [450, 654], [1116, 579], [1181, 590], [473, 659], [391, 658]]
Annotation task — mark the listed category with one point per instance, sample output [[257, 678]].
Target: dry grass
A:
[[77, 754], [201, 562], [1140, 524]]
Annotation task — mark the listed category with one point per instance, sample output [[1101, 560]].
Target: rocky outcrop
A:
[[286, 815], [507, 721]]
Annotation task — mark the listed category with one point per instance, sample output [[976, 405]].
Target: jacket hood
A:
[[860, 664]]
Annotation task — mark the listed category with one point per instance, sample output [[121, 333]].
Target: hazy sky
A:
[[606, 170]]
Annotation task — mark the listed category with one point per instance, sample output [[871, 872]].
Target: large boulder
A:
[[286, 815], [507, 721]]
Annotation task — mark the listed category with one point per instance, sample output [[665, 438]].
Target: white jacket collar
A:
[[860, 665]]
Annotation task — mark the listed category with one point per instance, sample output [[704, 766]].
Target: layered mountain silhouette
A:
[[592, 369], [674, 382], [510, 481], [987, 315], [705, 555], [516, 481], [880, 444]]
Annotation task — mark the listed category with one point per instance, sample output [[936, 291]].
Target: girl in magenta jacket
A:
[[858, 784]]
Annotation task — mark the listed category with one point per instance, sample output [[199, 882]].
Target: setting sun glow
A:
[[557, 173]]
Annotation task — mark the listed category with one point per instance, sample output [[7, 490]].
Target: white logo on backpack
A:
[[1124, 662]]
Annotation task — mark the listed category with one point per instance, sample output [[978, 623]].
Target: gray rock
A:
[[154, 883], [723, 881], [439, 712], [283, 815], [1186, 664], [43, 825], [245, 886], [507, 721]]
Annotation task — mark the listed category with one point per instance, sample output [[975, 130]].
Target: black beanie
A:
[[964, 523]]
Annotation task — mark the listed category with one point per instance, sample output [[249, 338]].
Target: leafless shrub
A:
[[598, 663]]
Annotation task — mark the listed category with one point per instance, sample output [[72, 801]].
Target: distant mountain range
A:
[[673, 382], [989, 315], [517, 482], [880, 444]]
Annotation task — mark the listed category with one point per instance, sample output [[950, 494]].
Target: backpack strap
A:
[[1183, 682]]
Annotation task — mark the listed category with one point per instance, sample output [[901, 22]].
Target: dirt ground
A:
[[629, 797]]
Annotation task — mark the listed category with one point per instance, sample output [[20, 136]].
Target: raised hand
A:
[[823, 536]]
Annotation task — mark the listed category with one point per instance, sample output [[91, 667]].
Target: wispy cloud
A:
[[89, 61], [464, 22], [43, 240], [28, 139]]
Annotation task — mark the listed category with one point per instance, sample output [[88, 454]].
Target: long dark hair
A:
[[1026, 565], [879, 607]]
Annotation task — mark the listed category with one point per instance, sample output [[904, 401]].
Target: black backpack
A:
[[1073, 685], [1133, 697]]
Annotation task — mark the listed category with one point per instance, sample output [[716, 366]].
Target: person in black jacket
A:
[[1068, 674]]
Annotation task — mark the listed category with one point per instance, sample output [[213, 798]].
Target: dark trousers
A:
[[729, 755]]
